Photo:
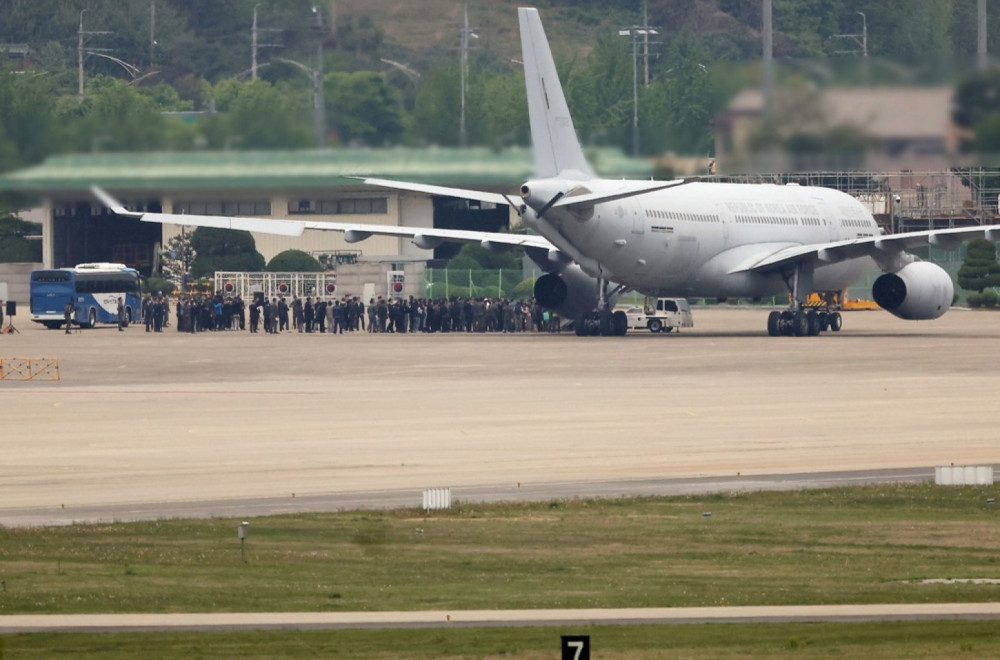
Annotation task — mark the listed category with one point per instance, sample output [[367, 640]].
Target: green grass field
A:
[[872, 641], [856, 545]]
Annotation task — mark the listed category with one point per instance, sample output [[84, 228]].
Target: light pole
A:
[[81, 51], [635, 32]]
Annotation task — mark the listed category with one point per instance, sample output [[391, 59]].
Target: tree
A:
[[224, 250], [473, 256], [980, 269], [177, 257], [436, 108], [28, 128], [293, 261], [14, 246], [259, 115], [116, 117], [364, 108]]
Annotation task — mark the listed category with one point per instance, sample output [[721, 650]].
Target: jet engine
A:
[[916, 292], [570, 293]]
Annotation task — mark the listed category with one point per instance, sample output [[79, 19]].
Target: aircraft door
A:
[[638, 217]]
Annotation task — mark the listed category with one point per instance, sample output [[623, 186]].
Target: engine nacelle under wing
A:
[[570, 292], [918, 291]]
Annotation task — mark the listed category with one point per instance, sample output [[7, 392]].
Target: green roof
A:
[[295, 169]]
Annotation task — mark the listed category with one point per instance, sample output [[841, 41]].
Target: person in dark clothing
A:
[[320, 315], [254, 314], [282, 311]]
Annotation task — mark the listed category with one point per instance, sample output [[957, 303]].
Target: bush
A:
[[294, 261], [154, 284], [974, 300], [524, 290], [990, 299]]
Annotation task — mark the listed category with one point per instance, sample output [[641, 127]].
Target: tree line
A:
[[198, 62]]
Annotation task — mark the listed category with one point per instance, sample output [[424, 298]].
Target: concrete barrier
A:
[[964, 475]]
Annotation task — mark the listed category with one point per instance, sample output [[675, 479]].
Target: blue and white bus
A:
[[94, 290]]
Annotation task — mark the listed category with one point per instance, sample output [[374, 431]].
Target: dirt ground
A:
[[172, 417]]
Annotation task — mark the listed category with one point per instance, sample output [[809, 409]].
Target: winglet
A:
[[112, 203]]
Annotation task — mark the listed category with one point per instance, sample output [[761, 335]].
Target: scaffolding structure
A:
[[907, 200]]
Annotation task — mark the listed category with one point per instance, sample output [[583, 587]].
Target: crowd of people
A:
[[315, 314]]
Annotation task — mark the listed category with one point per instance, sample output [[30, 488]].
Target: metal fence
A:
[[465, 283], [275, 284]]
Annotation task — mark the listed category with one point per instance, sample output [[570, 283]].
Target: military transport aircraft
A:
[[597, 238]]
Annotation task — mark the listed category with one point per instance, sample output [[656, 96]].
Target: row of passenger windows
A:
[[774, 220], [851, 222], [251, 207], [675, 215], [347, 206]]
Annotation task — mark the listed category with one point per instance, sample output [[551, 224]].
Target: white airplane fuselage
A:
[[688, 240]]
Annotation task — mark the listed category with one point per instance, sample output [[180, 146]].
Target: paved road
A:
[[26, 623], [143, 426], [153, 425]]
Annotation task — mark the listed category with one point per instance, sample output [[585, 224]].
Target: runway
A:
[[146, 425], [117, 623]]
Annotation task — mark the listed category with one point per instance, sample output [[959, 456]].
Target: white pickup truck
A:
[[660, 315]]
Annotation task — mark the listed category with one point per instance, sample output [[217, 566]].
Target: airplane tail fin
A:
[[556, 148]]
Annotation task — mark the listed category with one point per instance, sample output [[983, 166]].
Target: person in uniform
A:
[[68, 312], [121, 315]]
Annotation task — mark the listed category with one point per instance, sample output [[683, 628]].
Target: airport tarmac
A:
[[147, 425]]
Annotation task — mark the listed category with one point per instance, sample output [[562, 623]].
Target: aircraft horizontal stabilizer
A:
[[633, 191], [461, 193]]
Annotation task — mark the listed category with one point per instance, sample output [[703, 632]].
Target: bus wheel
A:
[[128, 316], [92, 318]]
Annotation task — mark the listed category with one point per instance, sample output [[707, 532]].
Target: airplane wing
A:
[[353, 232], [876, 247]]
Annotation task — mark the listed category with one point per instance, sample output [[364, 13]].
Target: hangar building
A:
[[276, 184]]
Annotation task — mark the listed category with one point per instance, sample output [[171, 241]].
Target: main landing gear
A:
[[799, 322], [602, 321]]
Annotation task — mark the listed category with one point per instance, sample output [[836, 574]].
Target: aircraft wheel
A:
[[604, 326], [800, 325], [812, 320], [619, 324], [580, 326], [824, 321], [774, 324], [836, 322]]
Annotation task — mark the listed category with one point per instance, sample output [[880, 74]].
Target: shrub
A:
[[990, 299], [974, 300]]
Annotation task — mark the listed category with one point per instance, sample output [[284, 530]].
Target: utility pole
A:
[[768, 60], [152, 30], [634, 32], [862, 42], [255, 42], [981, 49], [465, 34], [81, 35]]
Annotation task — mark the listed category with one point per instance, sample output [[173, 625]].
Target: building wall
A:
[[371, 276], [17, 277], [401, 210]]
